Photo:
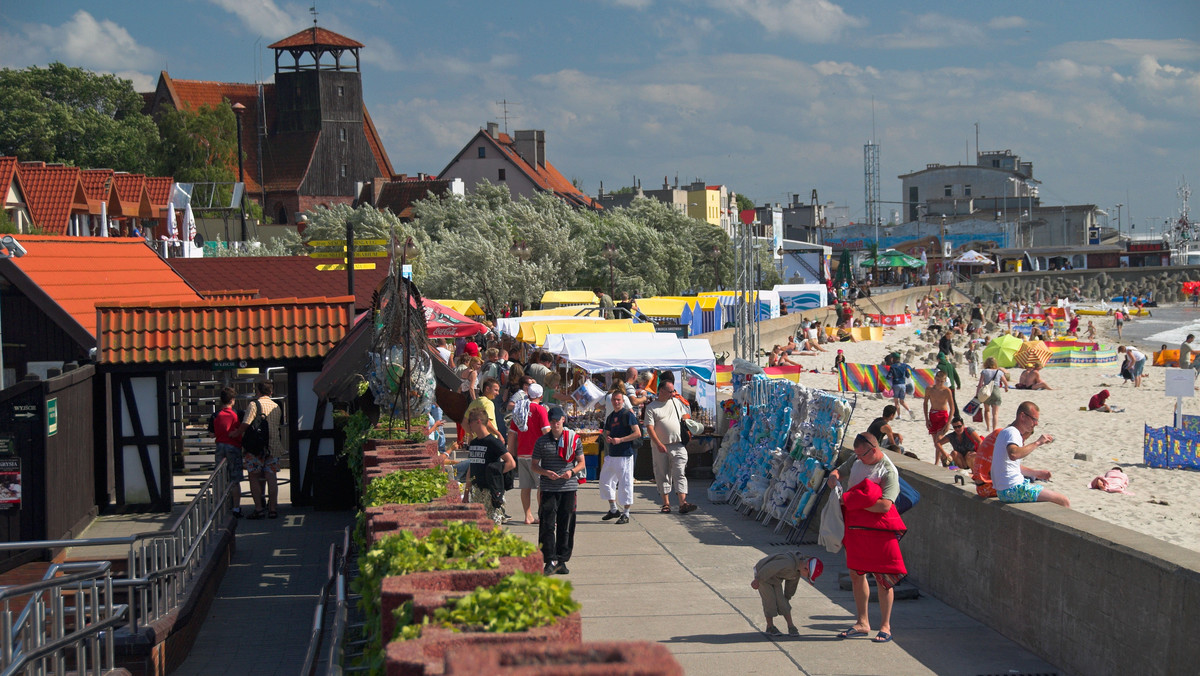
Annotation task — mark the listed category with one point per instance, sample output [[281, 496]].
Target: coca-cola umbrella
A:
[[443, 322]]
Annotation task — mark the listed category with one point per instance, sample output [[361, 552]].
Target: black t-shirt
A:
[[620, 424], [876, 429], [483, 452]]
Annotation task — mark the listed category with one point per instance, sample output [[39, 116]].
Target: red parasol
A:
[[442, 322]]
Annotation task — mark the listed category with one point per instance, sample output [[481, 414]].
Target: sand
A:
[[1162, 503]]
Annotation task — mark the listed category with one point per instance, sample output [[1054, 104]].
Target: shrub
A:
[[404, 487]]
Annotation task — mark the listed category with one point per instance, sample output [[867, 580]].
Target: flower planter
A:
[[426, 655], [388, 519], [553, 658]]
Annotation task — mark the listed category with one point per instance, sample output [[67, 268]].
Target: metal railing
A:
[[67, 623], [161, 565], [335, 583]]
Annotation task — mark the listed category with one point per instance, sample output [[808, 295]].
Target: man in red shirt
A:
[[230, 448], [520, 444]]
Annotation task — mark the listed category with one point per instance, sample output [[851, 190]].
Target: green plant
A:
[[519, 602], [405, 487], [457, 546], [397, 429], [355, 431]]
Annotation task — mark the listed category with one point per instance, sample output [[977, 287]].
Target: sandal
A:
[[666, 509], [257, 514], [273, 514]]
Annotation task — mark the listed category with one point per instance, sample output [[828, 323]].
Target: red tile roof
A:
[[278, 276], [97, 185], [315, 37], [79, 272], [130, 190], [8, 169], [208, 331], [52, 194], [545, 177], [284, 164], [398, 196], [158, 189]]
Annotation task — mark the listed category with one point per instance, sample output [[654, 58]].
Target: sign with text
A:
[[51, 416], [10, 483], [1180, 382]]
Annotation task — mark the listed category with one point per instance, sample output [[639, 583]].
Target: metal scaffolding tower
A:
[[745, 332], [871, 180]]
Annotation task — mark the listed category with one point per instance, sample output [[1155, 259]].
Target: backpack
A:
[[981, 469], [256, 440]]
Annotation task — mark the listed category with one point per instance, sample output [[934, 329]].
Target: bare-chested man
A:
[[939, 402]]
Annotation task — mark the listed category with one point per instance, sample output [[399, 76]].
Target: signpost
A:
[[347, 250], [51, 416], [1180, 383]]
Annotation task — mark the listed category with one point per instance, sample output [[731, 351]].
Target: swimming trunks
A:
[[938, 421]]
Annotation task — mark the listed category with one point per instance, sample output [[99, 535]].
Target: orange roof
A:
[[76, 273], [8, 170], [131, 197], [545, 177], [315, 37], [52, 194], [208, 331], [97, 185], [158, 189]]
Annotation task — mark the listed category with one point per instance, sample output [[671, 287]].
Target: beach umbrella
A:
[[1032, 352], [844, 270], [892, 259], [442, 322], [973, 257], [1004, 348]]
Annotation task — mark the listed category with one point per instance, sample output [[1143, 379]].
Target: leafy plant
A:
[[395, 429], [355, 429], [404, 487], [519, 602], [457, 546]]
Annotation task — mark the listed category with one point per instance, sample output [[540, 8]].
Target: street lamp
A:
[[238, 109], [1119, 222], [610, 252], [9, 248], [520, 250]]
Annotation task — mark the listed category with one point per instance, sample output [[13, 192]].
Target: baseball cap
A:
[[535, 391], [555, 412], [815, 568], [471, 349]]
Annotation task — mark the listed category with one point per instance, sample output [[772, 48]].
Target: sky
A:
[[768, 97]]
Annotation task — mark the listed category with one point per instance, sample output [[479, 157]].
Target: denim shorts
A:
[[233, 460]]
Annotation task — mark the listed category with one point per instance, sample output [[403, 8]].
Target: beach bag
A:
[[971, 407], [833, 526], [985, 390], [256, 440], [908, 497], [981, 469], [978, 416]]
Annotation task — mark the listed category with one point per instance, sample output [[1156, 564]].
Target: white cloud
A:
[[929, 31], [1007, 22], [264, 17], [1129, 51], [818, 21], [81, 41]]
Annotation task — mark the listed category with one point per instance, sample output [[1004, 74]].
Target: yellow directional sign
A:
[[342, 254], [342, 243], [342, 266]]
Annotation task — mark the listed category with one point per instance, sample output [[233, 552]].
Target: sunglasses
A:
[[1035, 420]]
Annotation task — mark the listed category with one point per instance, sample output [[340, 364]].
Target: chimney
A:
[[795, 198], [493, 130], [666, 185], [530, 144]]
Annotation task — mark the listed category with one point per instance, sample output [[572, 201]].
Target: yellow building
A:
[[704, 203]]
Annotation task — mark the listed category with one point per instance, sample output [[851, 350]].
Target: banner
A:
[[891, 320]]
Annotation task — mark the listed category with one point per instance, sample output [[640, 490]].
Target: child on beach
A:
[[972, 356], [838, 361], [776, 578], [1091, 331]]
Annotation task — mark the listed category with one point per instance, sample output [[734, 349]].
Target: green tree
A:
[[743, 202], [74, 116], [329, 224]]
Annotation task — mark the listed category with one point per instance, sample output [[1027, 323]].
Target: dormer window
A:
[[482, 152]]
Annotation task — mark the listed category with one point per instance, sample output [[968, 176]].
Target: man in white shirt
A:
[[1010, 479], [1136, 362]]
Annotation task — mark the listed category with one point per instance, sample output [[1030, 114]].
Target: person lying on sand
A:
[[1114, 481]]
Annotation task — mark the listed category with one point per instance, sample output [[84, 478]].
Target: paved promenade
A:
[[684, 581]]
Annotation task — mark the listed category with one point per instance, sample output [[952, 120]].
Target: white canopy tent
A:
[[973, 257], [559, 343], [511, 326]]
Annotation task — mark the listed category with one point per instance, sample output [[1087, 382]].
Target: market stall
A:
[[563, 299], [536, 332], [511, 326], [466, 307]]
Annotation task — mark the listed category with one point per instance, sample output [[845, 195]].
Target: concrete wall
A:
[[1085, 595], [777, 330], [1135, 277]]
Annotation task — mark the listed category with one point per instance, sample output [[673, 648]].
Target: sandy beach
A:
[[1162, 503]]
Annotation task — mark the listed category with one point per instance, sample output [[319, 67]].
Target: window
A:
[[949, 191], [501, 172], [341, 90], [343, 171], [967, 190], [280, 214], [996, 163], [342, 135], [482, 152]]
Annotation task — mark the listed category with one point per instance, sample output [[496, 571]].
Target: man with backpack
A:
[[258, 432], [897, 374], [229, 448]]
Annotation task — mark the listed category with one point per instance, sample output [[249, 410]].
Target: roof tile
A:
[[277, 277], [316, 36], [205, 331], [52, 194]]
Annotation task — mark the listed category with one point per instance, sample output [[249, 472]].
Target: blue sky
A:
[[770, 97]]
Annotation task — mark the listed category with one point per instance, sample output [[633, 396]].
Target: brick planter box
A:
[[431, 590], [553, 659], [392, 518], [395, 444], [426, 656]]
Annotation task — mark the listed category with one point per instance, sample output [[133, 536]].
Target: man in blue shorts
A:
[[1011, 480], [897, 374]]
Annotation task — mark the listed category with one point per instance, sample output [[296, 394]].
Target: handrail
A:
[[161, 564], [92, 613], [337, 631], [318, 623]]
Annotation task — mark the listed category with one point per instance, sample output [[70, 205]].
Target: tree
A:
[[743, 202], [74, 116], [367, 222]]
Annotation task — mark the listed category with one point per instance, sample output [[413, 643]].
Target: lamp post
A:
[[715, 255], [9, 248], [238, 109], [610, 252], [520, 250], [1119, 223], [945, 261]]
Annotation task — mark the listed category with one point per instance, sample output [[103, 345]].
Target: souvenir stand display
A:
[[784, 441]]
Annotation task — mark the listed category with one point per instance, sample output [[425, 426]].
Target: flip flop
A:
[[851, 633], [882, 637]]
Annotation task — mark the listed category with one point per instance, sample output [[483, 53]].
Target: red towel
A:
[[871, 540]]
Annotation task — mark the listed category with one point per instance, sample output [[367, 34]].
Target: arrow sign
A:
[[342, 254], [342, 266], [341, 243]]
